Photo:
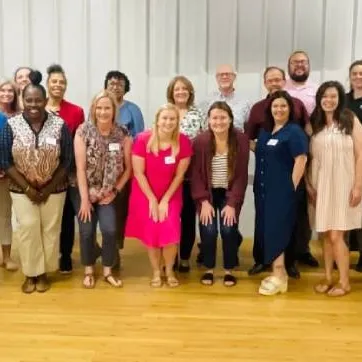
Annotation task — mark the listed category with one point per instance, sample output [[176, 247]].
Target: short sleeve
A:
[[185, 147], [297, 142], [81, 131], [6, 144], [139, 147]]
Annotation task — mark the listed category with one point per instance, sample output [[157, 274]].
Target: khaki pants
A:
[[39, 232], [5, 213]]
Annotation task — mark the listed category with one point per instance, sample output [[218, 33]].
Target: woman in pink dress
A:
[[160, 159]]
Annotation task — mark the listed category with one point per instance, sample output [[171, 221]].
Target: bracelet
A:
[[27, 189]]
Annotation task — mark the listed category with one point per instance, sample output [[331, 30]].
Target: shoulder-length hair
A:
[[188, 85], [14, 105], [153, 144], [232, 140], [342, 116], [96, 99], [269, 119]]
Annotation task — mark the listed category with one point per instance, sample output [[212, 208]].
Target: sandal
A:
[[229, 280], [172, 281], [324, 286], [156, 281], [273, 285], [91, 281], [113, 281], [338, 291], [207, 279]]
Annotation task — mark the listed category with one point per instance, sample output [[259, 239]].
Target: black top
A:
[[355, 105]]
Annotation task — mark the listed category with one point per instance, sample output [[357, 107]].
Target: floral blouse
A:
[[105, 158], [193, 123]]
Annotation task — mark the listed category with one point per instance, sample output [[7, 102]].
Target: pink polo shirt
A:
[[306, 93]]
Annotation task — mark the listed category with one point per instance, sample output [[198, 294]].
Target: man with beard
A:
[[274, 80], [298, 86]]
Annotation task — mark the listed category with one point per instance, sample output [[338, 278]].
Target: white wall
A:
[[153, 40]]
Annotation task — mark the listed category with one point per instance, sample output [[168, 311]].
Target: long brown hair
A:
[[232, 140], [343, 116]]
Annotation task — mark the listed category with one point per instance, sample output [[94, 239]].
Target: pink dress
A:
[[160, 171]]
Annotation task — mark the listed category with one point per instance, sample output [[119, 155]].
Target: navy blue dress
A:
[[275, 196]]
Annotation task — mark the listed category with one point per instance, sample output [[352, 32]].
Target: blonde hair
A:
[[96, 99], [153, 144], [14, 106]]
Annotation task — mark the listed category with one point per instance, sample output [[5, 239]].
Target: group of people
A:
[[192, 164]]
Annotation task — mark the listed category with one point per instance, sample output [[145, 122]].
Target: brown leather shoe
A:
[[28, 285], [42, 283]]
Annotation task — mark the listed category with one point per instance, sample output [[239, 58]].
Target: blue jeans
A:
[[106, 216], [230, 235]]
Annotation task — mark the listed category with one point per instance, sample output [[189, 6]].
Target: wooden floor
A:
[[190, 323]]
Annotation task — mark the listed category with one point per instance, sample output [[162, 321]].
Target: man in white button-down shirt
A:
[[225, 78]]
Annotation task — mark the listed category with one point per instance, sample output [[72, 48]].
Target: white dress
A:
[[332, 175]]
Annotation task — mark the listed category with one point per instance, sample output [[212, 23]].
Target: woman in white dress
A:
[[334, 181]]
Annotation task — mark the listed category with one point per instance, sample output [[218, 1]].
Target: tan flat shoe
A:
[[273, 285]]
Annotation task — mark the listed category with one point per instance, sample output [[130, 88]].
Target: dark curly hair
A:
[[119, 76]]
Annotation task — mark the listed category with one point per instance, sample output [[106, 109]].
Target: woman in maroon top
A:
[[73, 116], [219, 177]]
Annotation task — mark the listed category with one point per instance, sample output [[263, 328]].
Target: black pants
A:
[[299, 243], [106, 216], [302, 233], [230, 235], [188, 223], [354, 238], [67, 231], [121, 203]]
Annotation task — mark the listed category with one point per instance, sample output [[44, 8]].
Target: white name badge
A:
[[169, 160], [51, 141], [272, 142], [113, 147]]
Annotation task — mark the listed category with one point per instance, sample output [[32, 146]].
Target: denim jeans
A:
[[106, 216], [230, 235]]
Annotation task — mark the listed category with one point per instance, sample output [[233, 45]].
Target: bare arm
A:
[[127, 164], [177, 180], [298, 169], [252, 145], [81, 164], [138, 164]]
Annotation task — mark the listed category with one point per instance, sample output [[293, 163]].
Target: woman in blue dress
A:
[[280, 157]]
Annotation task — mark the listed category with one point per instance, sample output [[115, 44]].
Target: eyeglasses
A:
[[301, 62], [221, 75], [115, 85]]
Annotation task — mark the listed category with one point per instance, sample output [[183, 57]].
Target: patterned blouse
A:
[[193, 123], [105, 158], [36, 155]]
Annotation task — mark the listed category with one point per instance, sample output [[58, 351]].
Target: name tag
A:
[[51, 141], [272, 142], [169, 160], [113, 147]]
